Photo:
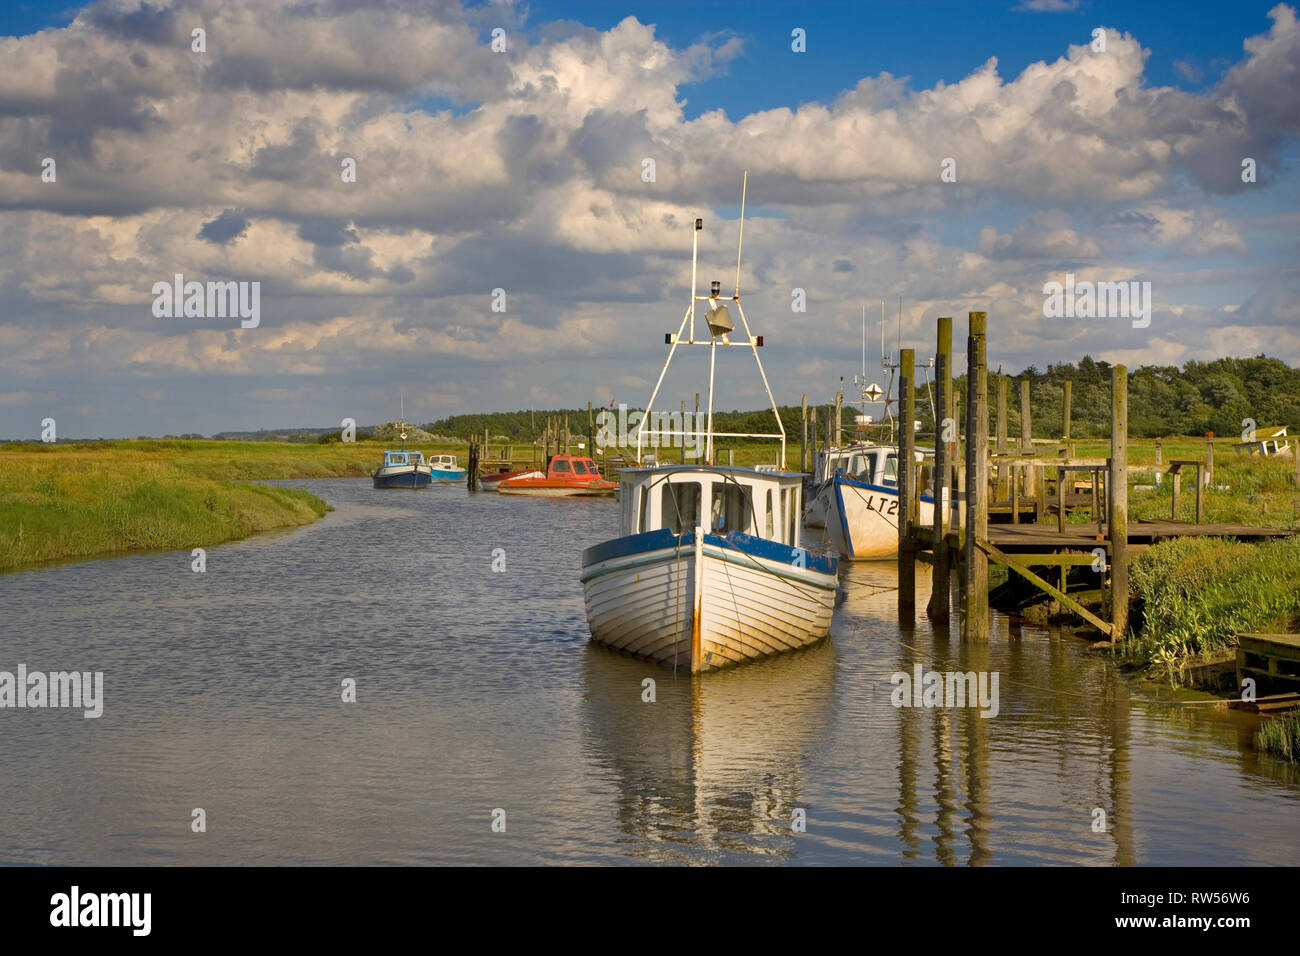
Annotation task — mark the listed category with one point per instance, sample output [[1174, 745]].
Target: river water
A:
[[477, 690]]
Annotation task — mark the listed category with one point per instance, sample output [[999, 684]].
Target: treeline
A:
[[1198, 398]]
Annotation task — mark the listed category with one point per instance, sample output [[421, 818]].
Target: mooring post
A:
[[471, 473], [839, 427], [1160, 452], [1065, 413], [1003, 488], [906, 487], [803, 435], [940, 595], [1209, 462], [1117, 510], [975, 619], [1027, 438]]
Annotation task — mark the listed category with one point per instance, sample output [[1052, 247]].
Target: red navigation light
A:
[[668, 338], [759, 343]]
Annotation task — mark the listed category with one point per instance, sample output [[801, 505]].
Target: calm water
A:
[[479, 690]]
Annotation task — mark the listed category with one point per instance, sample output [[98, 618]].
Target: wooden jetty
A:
[[1017, 486], [1274, 658]]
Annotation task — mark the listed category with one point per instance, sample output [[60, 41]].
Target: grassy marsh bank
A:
[[82, 499]]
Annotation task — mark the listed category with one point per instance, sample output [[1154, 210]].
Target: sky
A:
[[941, 157]]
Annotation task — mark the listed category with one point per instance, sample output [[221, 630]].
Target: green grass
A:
[[1198, 594], [82, 499], [1281, 736]]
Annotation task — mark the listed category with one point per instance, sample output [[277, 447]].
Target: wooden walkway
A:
[[1031, 537]]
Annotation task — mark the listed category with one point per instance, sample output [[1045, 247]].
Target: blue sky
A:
[[525, 170]]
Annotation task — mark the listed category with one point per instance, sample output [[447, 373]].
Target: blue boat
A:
[[446, 468], [403, 469]]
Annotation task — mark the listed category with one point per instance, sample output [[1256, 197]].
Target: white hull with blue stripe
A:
[[862, 523], [700, 602]]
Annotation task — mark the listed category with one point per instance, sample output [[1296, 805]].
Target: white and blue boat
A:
[[708, 570], [402, 469], [862, 516], [446, 468]]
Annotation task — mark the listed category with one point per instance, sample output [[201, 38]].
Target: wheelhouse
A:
[[444, 462], [766, 504], [393, 459]]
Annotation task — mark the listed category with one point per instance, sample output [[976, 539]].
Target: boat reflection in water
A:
[[713, 767]]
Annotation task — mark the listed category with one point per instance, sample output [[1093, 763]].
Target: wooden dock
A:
[[1019, 484], [1273, 658]]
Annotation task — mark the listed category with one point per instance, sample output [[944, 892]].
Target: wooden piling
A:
[[975, 617], [1209, 462], [943, 452], [803, 435], [471, 472], [1065, 412], [1003, 486], [1027, 438], [1160, 452], [839, 428], [1117, 509], [906, 490]]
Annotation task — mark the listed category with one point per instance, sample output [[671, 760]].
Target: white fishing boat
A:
[[708, 570], [851, 460], [862, 517]]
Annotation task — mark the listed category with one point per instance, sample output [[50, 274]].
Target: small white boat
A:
[[446, 468], [862, 520], [851, 459], [708, 570]]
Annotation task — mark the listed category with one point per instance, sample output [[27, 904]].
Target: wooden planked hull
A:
[[701, 605]]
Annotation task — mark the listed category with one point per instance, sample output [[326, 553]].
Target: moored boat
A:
[[490, 482], [446, 468], [402, 469], [862, 519], [708, 570], [567, 476]]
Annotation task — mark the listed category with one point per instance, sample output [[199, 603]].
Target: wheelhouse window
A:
[[560, 465], [791, 506], [890, 476], [731, 509], [680, 506], [643, 519], [580, 468], [771, 517]]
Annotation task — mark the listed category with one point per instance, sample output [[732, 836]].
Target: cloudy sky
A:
[[524, 168]]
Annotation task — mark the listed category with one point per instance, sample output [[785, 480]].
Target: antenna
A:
[[744, 185]]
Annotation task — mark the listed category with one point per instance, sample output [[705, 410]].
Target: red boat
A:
[[566, 476], [490, 482]]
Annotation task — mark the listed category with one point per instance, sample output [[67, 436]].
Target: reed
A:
[[1281, 736], [1198, 594]]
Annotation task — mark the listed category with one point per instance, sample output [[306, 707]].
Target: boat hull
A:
[[548, 489], [401, 476], [448, 474], [862, 522], [493, 482], [701, 603]]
